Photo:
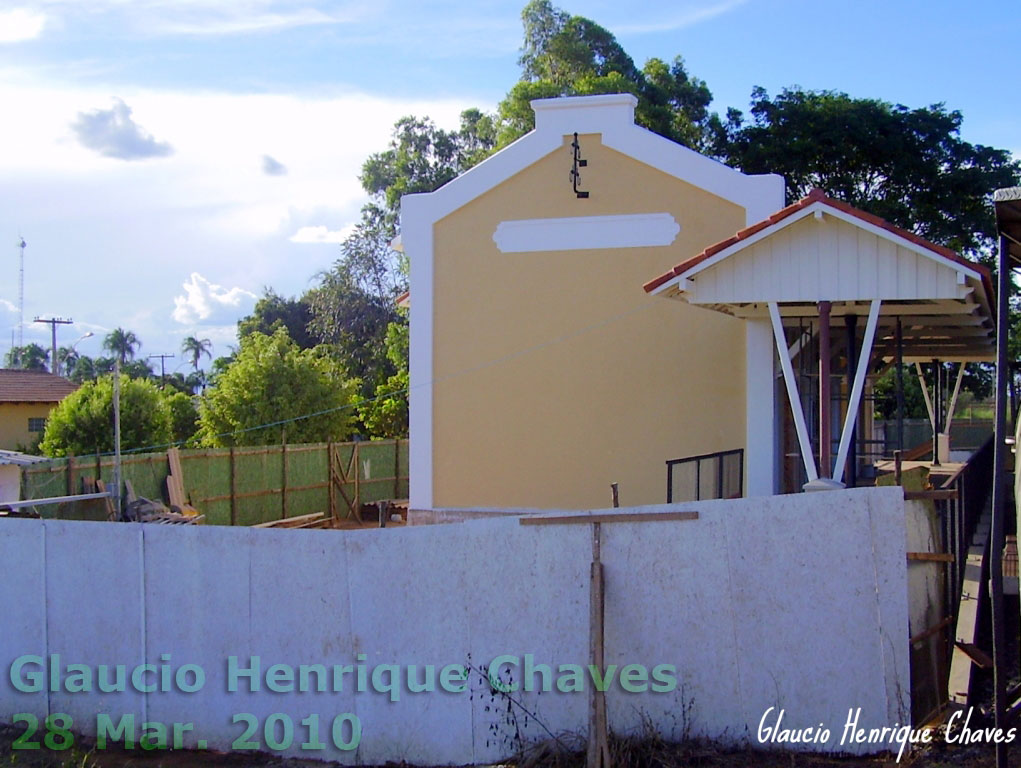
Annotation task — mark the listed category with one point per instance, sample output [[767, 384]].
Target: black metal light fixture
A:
[[577, 163]]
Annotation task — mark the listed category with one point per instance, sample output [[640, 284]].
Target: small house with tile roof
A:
[[26, 399]]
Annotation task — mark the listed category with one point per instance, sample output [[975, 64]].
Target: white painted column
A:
[[417, 235], [760, 410], [792, 393], [856, 389]]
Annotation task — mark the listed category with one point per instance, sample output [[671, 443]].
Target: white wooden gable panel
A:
[[829, 260]]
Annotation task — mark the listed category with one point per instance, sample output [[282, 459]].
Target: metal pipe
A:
[[824, 390], [996, 532]]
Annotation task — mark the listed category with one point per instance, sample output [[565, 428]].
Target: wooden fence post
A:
[[358, 489], [283, 471], [233, 490], [329, 481], [397, 468], [71, 490]]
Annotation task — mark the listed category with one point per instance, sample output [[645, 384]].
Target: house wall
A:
[[554, 373], [14, 423], [10, 482], [755, 604]]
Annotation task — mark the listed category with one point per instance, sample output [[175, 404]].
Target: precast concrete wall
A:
[[797, 603]]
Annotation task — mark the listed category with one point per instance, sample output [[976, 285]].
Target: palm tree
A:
[[30, 357], [122, 344], [196, 347], [68, 358]]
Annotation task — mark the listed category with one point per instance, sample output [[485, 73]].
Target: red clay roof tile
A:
[[17, 386]]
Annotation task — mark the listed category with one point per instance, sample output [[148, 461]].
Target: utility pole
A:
[[163, 368], [54, 322]]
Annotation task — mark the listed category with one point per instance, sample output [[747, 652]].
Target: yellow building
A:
[[26, 399], [541, 369]]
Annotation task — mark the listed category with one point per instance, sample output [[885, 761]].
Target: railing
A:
[[973, 484], [708, 476]]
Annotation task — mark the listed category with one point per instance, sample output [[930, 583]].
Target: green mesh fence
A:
[[242, 486]]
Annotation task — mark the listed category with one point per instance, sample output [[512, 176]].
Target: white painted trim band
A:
[[640, 230]]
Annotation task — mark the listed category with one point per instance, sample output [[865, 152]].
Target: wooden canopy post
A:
[[937, 409], [824, 389], [851, 323], [900, 387]]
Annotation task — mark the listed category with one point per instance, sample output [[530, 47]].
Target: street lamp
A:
[[86, 335]]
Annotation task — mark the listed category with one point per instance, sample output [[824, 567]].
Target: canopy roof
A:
[[1008, 220], [821, 249]]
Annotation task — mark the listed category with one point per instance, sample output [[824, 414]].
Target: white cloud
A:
[[205, 302], [322, 234], [273, 167], [19, 24], [8, 306], [112, 133]]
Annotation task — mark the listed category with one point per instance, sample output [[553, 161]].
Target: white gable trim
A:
[[817, 208], [610, 115]]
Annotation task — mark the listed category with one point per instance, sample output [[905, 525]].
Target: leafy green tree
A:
[[908, 166], [270, 381], [274, 311], [83, 421], [122, 344], [353, 323], [184, 415], [386, 413], [195, 348], [564, 55], [30, 357]]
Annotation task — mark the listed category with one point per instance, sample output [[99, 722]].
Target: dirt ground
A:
[[624, 754]]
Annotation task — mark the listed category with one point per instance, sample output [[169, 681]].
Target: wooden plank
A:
[[932, 630], [976, 654], [111, 511], [598, 754], [292, 522], [609, 517], [930, 495], [931, 557]]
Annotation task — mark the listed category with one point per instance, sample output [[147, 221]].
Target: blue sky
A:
[[166, 159]]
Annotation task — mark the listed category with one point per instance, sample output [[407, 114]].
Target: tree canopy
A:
[[122, 344], [908, 166], [83, 421], [30, 357], [271, 381]]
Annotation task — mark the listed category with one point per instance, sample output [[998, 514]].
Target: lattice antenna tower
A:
[[21, 292]]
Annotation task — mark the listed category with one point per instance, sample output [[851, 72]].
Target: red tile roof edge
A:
[[818, 196], [21, 386]]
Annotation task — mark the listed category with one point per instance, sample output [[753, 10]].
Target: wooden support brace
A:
[[598, 754]]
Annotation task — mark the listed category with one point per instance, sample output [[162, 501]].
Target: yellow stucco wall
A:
[[634, 379], [14, 423]]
